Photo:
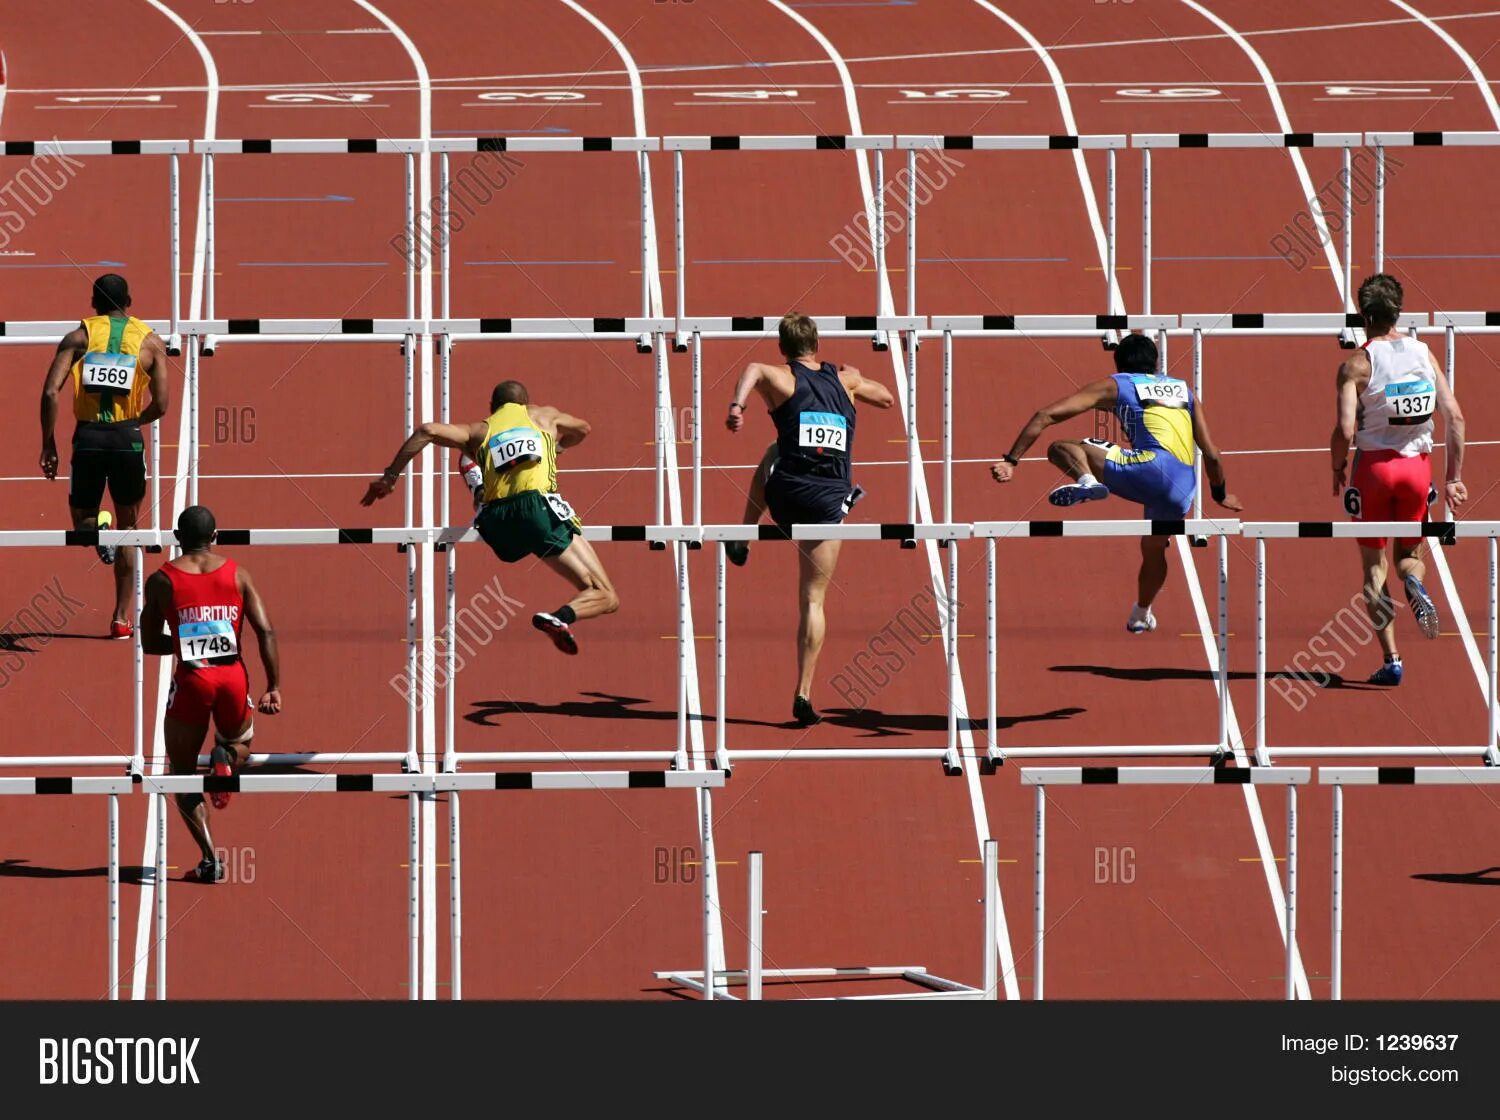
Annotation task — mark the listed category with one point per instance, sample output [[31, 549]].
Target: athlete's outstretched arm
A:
[[1213, 464], [1453, 432], [68, 351], [571, 430], [460, 437], [1093, 395], [265, 635], [1352, 371], [863, 390], [161, 399], [154, 636], [748, 383]]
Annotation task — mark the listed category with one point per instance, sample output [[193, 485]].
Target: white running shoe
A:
[[1075, 492], [1141, 620]]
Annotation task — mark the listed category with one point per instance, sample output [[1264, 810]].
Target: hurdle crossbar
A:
[[1187, 777], [1382, 140]]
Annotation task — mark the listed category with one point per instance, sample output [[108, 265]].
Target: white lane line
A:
[[1252, 800], [697, 757], [1335, 267], [1468, 60], [179, 498], [924, 501], [425, 500]]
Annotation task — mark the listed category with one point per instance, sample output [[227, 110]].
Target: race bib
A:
[[202, 641], [1410, 402], [111, 373], [1165, 391], [823, 431], [560, 508], [514, 447]]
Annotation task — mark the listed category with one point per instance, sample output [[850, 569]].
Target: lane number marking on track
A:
[[976, 94], [309, 97], [1168, 92], [508, 96]]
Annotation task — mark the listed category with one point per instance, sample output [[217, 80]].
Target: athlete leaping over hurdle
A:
[[522, 514], [1160, 417]]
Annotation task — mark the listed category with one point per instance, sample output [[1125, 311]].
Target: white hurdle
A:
[[1187, 777], [1474, 777]]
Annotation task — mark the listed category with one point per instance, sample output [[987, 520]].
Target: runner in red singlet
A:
[[195, 608]]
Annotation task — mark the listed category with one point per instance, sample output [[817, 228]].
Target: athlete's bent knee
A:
[[187, 803]]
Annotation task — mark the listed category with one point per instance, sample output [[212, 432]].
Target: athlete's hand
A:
[[48, 462], [1339, 474], [380, 488], [736, 418], [1457, 493], [1002, 471], [1232, 504], [270, 703]]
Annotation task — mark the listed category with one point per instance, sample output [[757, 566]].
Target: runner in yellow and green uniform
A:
[[521, 512], [118, 367]]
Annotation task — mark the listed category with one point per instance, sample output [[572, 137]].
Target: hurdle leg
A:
[[1291, 891], [1492, 753], [161, 896], [114, 893], [1040, 890], [1336, 971], [710, 982], [991, 921], [1261, 758], [757, 914], [413, 885], [990, 642], [455, 900]]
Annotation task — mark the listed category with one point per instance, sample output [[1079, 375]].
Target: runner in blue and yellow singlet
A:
[[118, 367], [520, 511], [1163, 421]]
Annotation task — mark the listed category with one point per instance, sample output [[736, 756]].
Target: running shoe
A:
[[556, 629], [1388, 674], [1141, 620], [209, 871], [218, 766], [1422, 607], [106, 551], [1075, 492], [738, 552], [804, 713], [121, 629]]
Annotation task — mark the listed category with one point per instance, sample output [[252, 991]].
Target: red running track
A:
[[562, 893]]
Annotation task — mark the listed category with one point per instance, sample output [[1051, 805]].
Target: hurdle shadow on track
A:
[[880, 724], [1174, 673], [16, 642], [1488, 877], [25, 869], [487, 713]]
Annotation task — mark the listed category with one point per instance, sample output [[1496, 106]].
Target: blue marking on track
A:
[[70, 264], [1267, 257], [538, 262], [317, 264], [1442, 256], [774, 260], [307, 198]]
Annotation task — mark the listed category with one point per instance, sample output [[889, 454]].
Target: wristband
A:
[[736, 404], [1011, 459], [1218, 491]]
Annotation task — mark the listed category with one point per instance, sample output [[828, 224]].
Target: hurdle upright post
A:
[[114, 896], [1379, 207], [912, 449], [1109, 233], [1223, 667], [684, 648], [193, 367], [413, 899], [697, 348], [1348, 285], [1336, 969], [755, 923], [1039, 890], [1450, 353], [1260, 652], [161, 897], [877, 238], [1145, 231], [1198, 396], [138, 678], [721, 758], [952, 761], [991, 922], [947, 425], [210, 239], [1492, 753], [911, 240], [174, 176], [992, 749], [679, 221]]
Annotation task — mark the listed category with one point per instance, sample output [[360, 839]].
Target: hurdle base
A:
[[1110, 340], [174, 345], [643, 344], [937, 987], [1198, 542], [1347, 341]]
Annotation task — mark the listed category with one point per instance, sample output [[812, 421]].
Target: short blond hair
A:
[[799, 335]]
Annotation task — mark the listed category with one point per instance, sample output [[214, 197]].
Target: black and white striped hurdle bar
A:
[[65, 786], [547, 144], [768, 326], [50, 331], [596, 327], [344, 329], [1409, 775], [1433, 139], [1273, 322], [94, 147], [1023, 325], [1247, 140], [1197, 527], [420, 783], [1465, 320], [775, 143], [308, 146], [1012, 143], [1344, 530], [1165, 775]]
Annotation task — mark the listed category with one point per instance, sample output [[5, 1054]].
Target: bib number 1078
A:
[[519, 445]]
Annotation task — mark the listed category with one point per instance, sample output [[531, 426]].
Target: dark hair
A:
[[111, 293], [196, 527], [1380, 299], [1136, 354], [508, 392], [799, 336]]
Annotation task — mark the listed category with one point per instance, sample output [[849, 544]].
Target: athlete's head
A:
[[1136, 354], [799, 336], [111, 293], [1380, 302], [196, 528], [508, 392]]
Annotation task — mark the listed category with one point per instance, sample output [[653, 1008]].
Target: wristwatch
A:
[[1011, 459]]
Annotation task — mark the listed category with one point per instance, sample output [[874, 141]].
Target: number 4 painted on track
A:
[[748, 94]]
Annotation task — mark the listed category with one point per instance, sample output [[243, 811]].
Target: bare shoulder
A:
[[1356, 368], [544, 416], [75, 339], [849, 375]]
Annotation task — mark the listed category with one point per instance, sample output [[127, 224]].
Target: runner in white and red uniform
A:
[[1388, 393], [195, 609]]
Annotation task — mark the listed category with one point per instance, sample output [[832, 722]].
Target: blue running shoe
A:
[[1388, 674], [1422, 607], [1075, 492]]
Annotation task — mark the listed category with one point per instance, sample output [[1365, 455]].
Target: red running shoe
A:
[[556, 629], [121, 629], [219, 767]]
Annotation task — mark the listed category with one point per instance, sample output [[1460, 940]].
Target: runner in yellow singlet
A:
[[521, 513], [117, 363]]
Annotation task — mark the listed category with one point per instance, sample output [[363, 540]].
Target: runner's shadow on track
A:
[[25, 869], [16, 642], [1484, 878], [1115, 672], [879, 724], [487, 713]]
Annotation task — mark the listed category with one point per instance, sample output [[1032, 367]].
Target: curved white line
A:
[[1468, 60], [179, 490], [924, 500]]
